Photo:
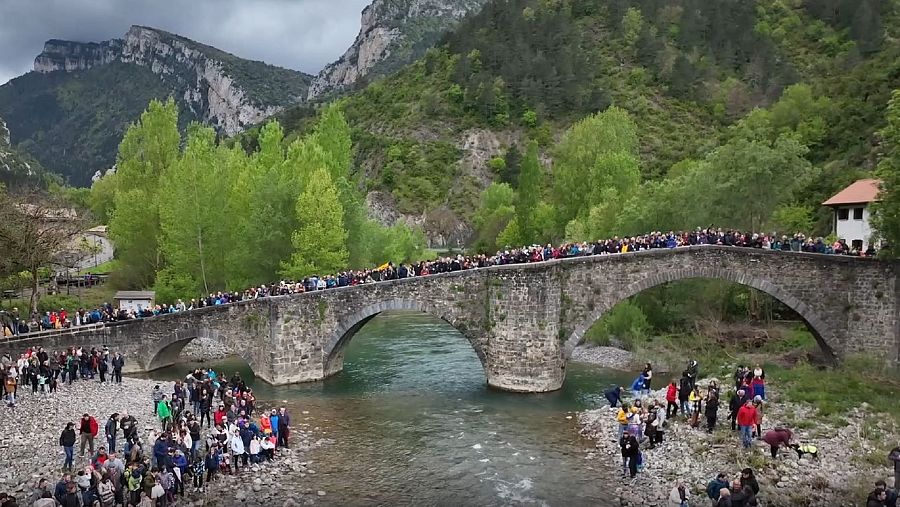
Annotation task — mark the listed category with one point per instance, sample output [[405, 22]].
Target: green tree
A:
[[770, 173], [493, 215], [528, 194], [194, 238], [632, 24], [333, 135], [320, 242], [150, 147], [596, 155], [887, 210], [263, 208], [792, 218]]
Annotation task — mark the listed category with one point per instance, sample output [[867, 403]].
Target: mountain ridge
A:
[[71, 111]]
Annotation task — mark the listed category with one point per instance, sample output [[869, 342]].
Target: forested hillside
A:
[[689, 74]]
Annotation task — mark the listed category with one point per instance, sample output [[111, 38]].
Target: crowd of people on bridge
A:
[[13, 323], [644, 419], [209, 426]]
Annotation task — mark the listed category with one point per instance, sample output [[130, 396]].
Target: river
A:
[[414, 423]]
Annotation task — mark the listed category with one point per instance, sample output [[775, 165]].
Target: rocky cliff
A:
[[15, 168], [216, 86], [393, 33], [73, 56]]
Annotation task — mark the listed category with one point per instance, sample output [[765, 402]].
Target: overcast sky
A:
[[298, 34]]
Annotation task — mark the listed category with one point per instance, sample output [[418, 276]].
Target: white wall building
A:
[[134, 299], [852, 212]]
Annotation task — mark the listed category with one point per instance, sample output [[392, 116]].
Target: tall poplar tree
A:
[[148, 150], [320, 241], [194, 236], [333, 135], [528, 195]]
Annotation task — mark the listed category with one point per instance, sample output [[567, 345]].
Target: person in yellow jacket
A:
[[622, 418], [696, 400]]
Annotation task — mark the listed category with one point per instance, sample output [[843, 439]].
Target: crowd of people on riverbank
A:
[[44, 371], [209, 426], [13, 323], [644, 420]]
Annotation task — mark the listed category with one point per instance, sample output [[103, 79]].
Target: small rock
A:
[[320, 493]]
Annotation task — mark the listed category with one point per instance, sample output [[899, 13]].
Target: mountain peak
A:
[[392, 34]]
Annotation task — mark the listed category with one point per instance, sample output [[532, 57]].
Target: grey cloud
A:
[[298, 34]]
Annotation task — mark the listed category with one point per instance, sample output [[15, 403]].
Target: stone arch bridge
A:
[[523, 320]]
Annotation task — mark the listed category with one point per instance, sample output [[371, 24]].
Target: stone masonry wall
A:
[[522, 320]]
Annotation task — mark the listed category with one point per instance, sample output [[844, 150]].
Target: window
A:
[[843, 214], [857, 213], [857, 243]]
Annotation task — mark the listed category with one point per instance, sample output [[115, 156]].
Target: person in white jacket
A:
[[237, 449], [680, 495]]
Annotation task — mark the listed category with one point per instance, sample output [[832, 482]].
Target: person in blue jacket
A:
[[637, 386]]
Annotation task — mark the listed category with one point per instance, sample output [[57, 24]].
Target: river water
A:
[[414, 423]]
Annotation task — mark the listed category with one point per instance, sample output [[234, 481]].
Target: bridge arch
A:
[[820, 330], [167, 350], [333, 351]]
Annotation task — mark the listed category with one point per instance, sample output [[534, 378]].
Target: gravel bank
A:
[[204, 349], [607, 357], [842, 475], [29, 448]]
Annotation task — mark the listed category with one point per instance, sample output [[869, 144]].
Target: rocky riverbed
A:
[[204, 350], [852, 456], [29, 448], [607, 357]]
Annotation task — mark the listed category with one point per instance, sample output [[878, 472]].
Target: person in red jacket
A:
[[219, 416], [746, 419], [777, 438], [88, 430], [672, 400]]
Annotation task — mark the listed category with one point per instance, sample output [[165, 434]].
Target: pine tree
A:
[[320, 242]]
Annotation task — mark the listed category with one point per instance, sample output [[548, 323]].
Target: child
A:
[[268, 448], [225, 463], [255, 448], [197, 470]]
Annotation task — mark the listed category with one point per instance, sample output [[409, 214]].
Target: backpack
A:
[[71, 500], [106, 493]]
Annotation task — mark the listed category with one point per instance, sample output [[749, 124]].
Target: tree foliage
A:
[[207, 217], [887, 210], [320, 241]]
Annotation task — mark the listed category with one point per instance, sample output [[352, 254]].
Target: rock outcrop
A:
[[393, 33], [73, 56], [208, 81], [14, 168]]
